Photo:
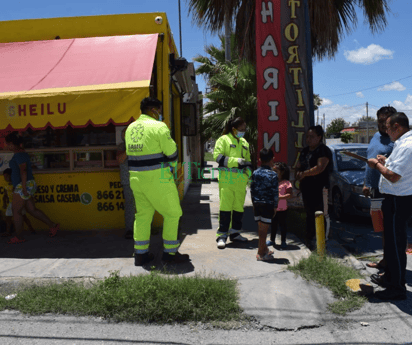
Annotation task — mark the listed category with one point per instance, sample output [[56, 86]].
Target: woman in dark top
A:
[[24, 188], [313, 168]]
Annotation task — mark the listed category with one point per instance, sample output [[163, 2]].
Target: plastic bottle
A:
[[377, 215]]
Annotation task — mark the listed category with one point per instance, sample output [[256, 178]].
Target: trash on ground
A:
[[9, 297]]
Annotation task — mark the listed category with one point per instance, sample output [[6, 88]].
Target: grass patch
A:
[[329, 272], [208, 156], [144, 298]]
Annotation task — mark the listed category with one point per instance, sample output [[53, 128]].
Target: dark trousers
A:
[[312, 202], [225, 217], [396, 212], [279, 221]]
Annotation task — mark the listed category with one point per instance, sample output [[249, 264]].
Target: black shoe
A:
[[238, 238], [175, 259], [390, 294], [379, 280], [142, 259]]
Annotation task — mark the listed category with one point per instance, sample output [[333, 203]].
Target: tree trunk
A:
[[228, 32]]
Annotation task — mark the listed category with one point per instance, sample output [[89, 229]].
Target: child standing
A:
[[265, 195], [285, 192], [7, 199]]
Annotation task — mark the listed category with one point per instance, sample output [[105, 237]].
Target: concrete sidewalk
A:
[[268, 291]]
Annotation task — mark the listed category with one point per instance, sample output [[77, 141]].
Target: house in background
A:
[[362, 133], [366, 131]]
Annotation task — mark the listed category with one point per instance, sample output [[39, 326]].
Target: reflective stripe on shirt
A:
[[148, 162]]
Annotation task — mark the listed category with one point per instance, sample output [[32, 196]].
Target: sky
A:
[[374, 69]]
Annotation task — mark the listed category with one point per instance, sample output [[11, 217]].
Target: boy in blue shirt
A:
[[264, 190]]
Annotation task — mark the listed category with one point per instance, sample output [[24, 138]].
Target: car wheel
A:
[[337, 201]]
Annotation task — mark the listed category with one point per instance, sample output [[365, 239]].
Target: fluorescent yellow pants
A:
[[155, 190], [232, 194]]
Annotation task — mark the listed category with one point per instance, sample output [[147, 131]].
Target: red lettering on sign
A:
[[22, 110], [63, 108], [33, 109], [49, 112]]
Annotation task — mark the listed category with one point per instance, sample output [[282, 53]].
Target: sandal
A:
[[266, 257], [15, 240], [377, 265], [53, 230]]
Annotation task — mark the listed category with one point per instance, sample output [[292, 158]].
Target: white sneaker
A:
[[221, 244], [239, 238]]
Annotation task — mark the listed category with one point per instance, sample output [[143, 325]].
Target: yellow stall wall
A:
[[80, 201]]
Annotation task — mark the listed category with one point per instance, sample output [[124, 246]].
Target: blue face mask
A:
[[159, 115], [240, 134]]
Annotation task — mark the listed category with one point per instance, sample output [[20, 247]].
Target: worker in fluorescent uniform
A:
[[150, 152], [232, 153]]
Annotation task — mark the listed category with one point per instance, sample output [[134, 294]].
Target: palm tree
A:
[[209, 65], [329, 19]]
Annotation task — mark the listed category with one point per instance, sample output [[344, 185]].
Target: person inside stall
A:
[[129, 203], [24, 188], [7, 205]]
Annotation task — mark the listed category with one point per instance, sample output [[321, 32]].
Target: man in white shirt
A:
[[396, 186]]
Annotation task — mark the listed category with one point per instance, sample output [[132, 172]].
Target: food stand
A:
[[69, 86]]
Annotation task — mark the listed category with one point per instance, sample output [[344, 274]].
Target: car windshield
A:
[[346, 162]]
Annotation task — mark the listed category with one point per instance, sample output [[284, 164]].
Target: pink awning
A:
[[348, 130], [76, 82], [62, 63]]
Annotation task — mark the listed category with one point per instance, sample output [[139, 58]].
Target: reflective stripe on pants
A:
[[155, 190], [232, 194]]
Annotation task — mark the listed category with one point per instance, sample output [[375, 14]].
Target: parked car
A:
[[346, 181]]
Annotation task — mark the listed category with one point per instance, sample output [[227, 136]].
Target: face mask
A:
[[159, 115], [240, 134]]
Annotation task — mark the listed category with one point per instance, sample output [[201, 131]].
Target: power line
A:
[[369, 88]]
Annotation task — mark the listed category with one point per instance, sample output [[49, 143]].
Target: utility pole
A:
[[367, 124], [228, 32], [180, 30], [324, 122], [317, 118]]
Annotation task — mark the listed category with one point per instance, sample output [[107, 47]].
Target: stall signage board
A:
[[284, 77], [88, 201], [78, 109]]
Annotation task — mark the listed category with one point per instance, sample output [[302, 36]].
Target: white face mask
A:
[[240, 134]]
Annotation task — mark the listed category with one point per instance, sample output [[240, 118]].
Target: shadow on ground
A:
[[70, 245]]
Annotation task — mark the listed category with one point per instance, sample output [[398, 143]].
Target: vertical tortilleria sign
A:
[[284, 76]]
